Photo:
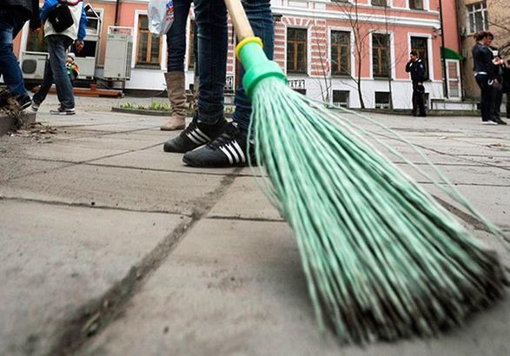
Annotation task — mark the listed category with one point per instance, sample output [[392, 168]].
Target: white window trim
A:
[[164, 54], [392, 52], [484, 11], [459, 78], [308, 49], [430, 62], [351, 44]]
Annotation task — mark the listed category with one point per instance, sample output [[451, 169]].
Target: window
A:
[[380, 55], [148, 45], [191, 52], [378, 2], [382, 100], [416, 4], [341, 98], [477, 16], [340, 53], [296, 50], [419, 44]]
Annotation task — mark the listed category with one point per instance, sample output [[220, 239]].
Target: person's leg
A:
[[208, 120], [508, 105], [44, 89], [174, 78], [231, 148], [57, 47], [420, 101], [261, 20], [486, 97], [11, 23], [211, 19], [497, 99], [415, 101]]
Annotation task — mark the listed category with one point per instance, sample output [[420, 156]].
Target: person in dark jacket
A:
[[418, 72], [506, 86], [497, 86], [486, 75], [13, 15]]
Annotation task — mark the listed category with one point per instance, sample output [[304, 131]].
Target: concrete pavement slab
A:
[[245, 200], [155, 158], [57, 258], [237, 288], [20, 167], [132, 189]]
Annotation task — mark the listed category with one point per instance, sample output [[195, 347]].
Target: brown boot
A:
[[177, 95]]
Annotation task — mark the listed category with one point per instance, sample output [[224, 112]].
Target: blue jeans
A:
[[211, 19], [11, 22], [261, 21], [56, 72], [176, 36]]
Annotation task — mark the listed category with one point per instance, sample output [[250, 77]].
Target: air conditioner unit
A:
[[119, 50], [33, 64]]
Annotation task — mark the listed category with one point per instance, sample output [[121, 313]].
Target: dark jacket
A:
[[417, 70], [30, 7], [505, 79], [482, 60]]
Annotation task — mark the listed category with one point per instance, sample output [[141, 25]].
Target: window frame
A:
[[139, 32], [295, 69], [377, 49], [414, 6], [348, 54], [471, 12], [380, 3]]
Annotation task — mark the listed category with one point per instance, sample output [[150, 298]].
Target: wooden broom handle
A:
[[239, 19]]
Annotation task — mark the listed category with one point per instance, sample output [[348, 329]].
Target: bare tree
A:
[[320, 45], [499, 23], [361, 37]]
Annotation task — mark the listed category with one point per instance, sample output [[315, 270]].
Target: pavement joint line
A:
[[92, 206], [95, 316]]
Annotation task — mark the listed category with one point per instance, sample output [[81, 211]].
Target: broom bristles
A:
[[383, 259]]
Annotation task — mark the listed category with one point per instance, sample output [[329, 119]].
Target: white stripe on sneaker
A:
[[239, 151], [198, 136], [227, 153], [233, 152]]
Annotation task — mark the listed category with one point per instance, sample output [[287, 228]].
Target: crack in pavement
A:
[[95, 316]]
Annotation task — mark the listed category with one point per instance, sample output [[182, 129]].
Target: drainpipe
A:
[[117, 8], [443, 59]]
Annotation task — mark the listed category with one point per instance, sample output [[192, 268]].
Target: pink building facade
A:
[[349, 52]]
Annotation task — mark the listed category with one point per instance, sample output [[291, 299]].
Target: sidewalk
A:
[[112, 247]]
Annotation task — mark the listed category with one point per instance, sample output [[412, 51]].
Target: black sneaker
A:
[[23, 101], [195, 135], [228, 150]]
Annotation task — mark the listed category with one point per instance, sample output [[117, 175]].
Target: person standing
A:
[[418, 72], [221, 144], [485, 75], [13, 15], [506, 86], [174, 78], [58, 44]]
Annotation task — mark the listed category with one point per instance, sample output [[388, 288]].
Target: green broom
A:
[[383, 259]]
